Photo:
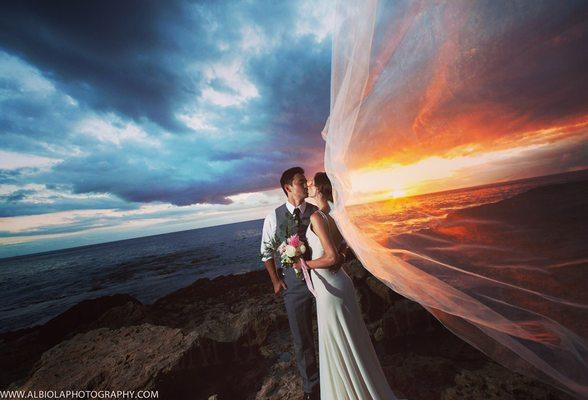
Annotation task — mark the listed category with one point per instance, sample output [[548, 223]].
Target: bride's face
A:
[[311, 188]]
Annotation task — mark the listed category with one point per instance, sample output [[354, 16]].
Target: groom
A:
[[297, 298]]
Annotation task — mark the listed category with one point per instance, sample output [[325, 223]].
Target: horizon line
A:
[[2, 259]]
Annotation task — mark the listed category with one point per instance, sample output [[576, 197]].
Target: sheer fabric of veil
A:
[[415, 80]]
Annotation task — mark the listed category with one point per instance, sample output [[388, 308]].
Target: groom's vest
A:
[[282, 216]]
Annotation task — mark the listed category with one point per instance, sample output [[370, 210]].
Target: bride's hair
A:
[[323, 184]]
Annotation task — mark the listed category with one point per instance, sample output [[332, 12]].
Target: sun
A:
[[397, 193]]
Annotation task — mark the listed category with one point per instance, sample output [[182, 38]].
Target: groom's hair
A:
[[288, 176]]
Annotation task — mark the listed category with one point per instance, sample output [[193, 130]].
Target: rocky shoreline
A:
[[228, 338]]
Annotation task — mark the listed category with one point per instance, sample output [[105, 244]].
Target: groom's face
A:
[[299, 188]]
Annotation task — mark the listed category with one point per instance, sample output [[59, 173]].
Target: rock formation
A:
[[228, 338]]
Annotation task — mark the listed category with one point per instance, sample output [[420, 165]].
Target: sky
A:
[[123, 119], [126, 119], [466, 93]]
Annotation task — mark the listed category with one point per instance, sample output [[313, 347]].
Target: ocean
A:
[[388, 219], [517, 247], [36, 288]]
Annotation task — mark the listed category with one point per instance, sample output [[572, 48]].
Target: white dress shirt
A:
[[270, 226]]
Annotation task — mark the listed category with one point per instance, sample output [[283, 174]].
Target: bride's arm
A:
[[331, 256]]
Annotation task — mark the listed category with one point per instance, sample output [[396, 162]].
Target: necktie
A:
[[298, 220], [301, 234]]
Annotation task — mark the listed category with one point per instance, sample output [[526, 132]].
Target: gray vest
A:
[[282, 217]]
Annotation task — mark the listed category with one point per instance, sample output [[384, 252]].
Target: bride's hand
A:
[[297, 265], [340, 260]]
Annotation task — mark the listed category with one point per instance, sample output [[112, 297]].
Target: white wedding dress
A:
[[349, 367]]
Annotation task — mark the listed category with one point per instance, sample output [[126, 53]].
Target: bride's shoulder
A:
[[317, 217]]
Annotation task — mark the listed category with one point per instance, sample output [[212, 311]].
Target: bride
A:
[[349, 367]]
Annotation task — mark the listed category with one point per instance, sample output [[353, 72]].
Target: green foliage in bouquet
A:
[[286, 229]]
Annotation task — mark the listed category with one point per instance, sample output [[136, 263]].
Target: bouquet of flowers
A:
[[290, 251], [287, 243]]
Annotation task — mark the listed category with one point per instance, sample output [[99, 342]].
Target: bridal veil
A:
[[437, 96]]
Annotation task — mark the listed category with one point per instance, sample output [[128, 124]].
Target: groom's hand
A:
[[279, 285], [277, 281]]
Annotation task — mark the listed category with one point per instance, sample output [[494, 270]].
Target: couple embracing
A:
[[349, 367]]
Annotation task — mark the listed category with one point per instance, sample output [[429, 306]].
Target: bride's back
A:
[[332, 230]]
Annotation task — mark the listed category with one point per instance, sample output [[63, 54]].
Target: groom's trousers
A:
[[300, 308]]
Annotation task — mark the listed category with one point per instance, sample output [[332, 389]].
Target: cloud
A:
[[316, 19], [16, 196], [122, 119], [110, 129], [489, 84], [148, 117], [26, 234], [139, 180], [32, 199], [183, 103], [11, 160], [235, 88], [109, 56]]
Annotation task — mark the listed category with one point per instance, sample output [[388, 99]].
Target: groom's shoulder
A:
[[280, 207], [274, 212]]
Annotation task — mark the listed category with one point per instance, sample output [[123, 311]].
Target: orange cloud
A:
[[444, 87]]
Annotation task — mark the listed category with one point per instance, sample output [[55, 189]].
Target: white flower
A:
[[282, 248], [302, 249], [290, 251]]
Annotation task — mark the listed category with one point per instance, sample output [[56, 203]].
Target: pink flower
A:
[[294, 240]]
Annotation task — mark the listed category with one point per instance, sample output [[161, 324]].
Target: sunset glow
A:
[[397, 193], [451, 109], [434, 174]]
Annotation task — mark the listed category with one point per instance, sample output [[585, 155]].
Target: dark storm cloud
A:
[[16, 196], [27, 124], [144, 61], [132, 180], [112, 55], [8, 176], [72, 227], [16, 204], [293, 83]]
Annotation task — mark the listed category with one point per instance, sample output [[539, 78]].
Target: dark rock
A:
[[435, 372], [222, 359], [80, 316], [228, 338], [20, 349], [128, 358], [355, 270], [493, 382], [405, 318]]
